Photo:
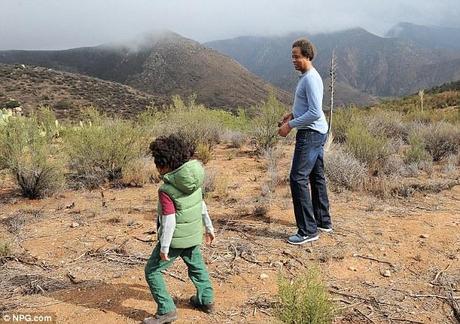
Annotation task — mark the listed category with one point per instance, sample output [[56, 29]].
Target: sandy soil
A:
[[80, 256]]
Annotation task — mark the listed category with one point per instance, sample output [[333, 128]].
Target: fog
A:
[[59, 24]]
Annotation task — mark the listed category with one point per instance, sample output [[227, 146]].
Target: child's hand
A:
[[164, 256], [209, 238]]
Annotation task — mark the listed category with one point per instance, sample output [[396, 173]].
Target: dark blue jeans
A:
[[310, 209]]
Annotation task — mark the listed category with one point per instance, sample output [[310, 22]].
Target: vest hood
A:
[[187, 178]]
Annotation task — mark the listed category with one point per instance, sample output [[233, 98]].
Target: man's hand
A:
[[286, 118], [209, 237], [164, 256], [284, 129]]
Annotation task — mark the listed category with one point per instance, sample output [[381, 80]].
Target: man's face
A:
[[300, 62]]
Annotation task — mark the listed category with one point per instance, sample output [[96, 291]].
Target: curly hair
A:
[[306, 48], [172, 151]]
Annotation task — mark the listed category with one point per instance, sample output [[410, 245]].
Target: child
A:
[[181, 215]]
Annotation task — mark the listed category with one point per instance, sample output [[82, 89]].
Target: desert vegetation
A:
[[95, 186]]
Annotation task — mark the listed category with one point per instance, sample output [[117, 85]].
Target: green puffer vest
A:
[[183, 186]]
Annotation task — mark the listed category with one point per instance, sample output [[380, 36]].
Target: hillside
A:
[[427, 36], [163, 65], [367, 63], [66, 92]]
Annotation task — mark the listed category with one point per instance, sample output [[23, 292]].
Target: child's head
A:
[[170, 152]]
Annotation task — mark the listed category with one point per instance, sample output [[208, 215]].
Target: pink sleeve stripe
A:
[[167, 205]]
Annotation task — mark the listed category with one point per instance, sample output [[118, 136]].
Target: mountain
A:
[[162, 64], [66, 92], [427, 36], [367, 65]]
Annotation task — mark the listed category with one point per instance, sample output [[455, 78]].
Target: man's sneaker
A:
[[325, 229], [161, 319], [299, 239], [206, 308]]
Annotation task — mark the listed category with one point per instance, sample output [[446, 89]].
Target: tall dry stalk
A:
[[332, 75], [421, 93]]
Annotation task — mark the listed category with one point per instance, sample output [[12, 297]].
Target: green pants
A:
[[196, 271]]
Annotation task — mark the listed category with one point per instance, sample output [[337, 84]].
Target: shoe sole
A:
[[303, 242], [325, 230]]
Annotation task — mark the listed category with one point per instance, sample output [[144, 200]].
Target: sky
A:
[[60, 24]]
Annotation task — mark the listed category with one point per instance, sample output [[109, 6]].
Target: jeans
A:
[[196, 271], [311, 209]]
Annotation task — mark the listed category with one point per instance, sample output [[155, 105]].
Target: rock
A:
[[424, 236], [74, 224], [309, 250], [386, 273], [263, 276], [352, 269], [110, 238]]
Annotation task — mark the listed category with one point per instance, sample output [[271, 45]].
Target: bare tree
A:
[[332, 75]]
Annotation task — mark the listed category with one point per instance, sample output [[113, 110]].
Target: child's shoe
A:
[[208, 308], [161, 319]]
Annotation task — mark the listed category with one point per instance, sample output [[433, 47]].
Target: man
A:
[[311, 209]]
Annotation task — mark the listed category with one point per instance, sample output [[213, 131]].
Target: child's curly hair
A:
[[172, 151]]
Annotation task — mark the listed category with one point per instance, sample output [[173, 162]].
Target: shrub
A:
[[343, 120], [102, 148], [272, 156], [365, 147], [139, 172], [387, 124], [441, 139], [416, 151], [235, 139], [11, 103], [5, 249], [203, 153], [344, 170], [264, 130], [304, 299], [26, 152], [192, 120]]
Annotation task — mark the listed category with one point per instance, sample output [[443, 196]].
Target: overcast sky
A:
[[58, 24]]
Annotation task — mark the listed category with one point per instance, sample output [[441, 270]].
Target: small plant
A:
[[5, 249], [416, 152], [264, 131], [304, 299], [203, 153]]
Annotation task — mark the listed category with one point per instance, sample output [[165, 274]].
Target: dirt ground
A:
[[80, 255]]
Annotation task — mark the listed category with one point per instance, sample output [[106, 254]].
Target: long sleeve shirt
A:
[[307, 109], [168, 221]]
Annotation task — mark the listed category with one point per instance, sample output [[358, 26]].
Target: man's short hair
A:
[[306, 48]]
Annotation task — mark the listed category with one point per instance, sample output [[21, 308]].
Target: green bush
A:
[[102, 147], [343, 119], [11, 103], [416, 151], [194, 121], [264, 129], [369, 149], [304, 299], [26, 152]]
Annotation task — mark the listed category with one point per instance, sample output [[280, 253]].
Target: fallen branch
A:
[[373, 259], [367, 317]]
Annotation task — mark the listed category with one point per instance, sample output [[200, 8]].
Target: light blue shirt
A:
[[307, 109]]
